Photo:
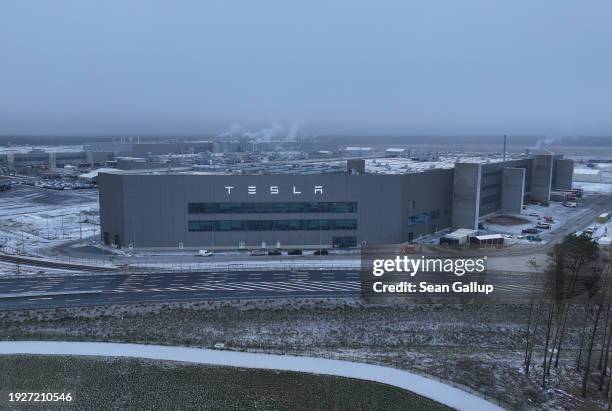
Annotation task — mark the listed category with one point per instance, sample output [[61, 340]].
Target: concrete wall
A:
[[466, 195], [541, 178], [513, 190], [152, 210], [355, 166], [427, 198], [112, 206], [564, 172], [52, 161]]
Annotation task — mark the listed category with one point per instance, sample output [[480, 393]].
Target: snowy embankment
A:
[[426, 387]]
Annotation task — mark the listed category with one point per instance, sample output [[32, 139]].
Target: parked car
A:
[[258, 252], [274, 251], [205, 253], [530, 231], [570, 204], [296, 251], [534, 238], [544, 226], [321, 251], [549, 220]]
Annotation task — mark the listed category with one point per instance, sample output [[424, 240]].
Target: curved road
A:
[[418, 384]]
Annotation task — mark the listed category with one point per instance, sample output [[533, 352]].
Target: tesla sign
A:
[[276, 190]]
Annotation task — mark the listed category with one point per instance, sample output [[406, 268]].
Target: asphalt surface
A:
[[34, 262], [81, 290], [95, 289]]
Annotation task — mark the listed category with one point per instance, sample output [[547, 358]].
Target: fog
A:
[[362, 67]]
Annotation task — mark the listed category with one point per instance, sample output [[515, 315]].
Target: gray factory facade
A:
[[191, 210]]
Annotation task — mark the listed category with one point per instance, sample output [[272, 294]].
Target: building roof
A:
[[461, 233], [94, 173], [488, 237], [586, 171]]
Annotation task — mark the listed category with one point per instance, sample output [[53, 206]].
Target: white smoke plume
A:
[[546, 142], [275, 131], [234, 131]]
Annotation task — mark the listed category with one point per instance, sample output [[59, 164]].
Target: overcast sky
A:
[[332, 66]]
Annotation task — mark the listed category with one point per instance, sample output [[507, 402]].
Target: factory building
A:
[[172, 209], [481, 189], [53, 160]]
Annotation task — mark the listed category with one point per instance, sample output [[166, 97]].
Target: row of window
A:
[[255, 207], [424, 217], [271, 225]]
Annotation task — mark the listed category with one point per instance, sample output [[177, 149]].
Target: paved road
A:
[[121, 288], [37, 262], [86, 290]]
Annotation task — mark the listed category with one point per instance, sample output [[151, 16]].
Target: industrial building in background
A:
[[343, 209]]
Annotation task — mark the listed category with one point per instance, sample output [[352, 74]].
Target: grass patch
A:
[[123, 383]]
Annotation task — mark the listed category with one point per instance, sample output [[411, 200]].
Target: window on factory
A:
[[229, 225], [200, 226], [269, 207], [422, 218], [271, 225]]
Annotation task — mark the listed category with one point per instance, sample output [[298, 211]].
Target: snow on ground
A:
[[533, 214], [512, 233], [427, 387], [399, 165], [35, 218], [594, 187], [11, 270]]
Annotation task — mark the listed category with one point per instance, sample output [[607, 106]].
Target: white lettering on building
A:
[[275, 190]]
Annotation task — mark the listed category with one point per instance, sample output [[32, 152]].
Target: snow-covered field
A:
[[427, 387], [33, 218], [594, 187]]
